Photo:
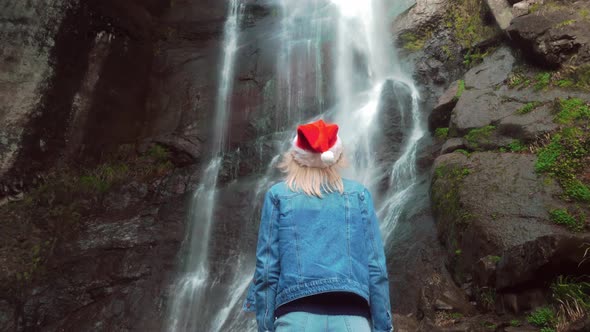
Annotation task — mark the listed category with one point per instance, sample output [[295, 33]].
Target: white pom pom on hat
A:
[[317, 144], [328, 158]]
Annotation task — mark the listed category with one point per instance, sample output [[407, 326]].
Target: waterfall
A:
[[334, 59], [190, 292]]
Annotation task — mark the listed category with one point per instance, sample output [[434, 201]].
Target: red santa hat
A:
[[317, 144]]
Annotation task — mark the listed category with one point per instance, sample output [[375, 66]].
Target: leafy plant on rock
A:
[[563, 217], [572, 296], [542, 317], [517, 146], [572, 109], [528, 107], [543, 80], [568, 150]]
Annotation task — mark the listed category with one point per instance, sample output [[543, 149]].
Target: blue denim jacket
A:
[[309, 245]]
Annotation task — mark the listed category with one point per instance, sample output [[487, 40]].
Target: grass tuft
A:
[[460, 90], [528, 107]]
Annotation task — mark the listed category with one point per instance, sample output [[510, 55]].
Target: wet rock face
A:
[[81, 80], [395, 113], [111, 273], [7, 316], [488, 102], [553, 35], [27, 35], [109, 91], [492, 198]]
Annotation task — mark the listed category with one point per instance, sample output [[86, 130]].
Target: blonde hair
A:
[[311, 180]]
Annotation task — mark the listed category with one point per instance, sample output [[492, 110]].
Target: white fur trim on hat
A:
[[317, 160]]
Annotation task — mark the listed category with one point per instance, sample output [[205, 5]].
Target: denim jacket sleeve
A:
[[266, 275], [378, 278]]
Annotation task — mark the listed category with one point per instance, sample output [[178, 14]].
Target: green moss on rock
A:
[[53, 210], [480, 135], [414, 42], [563, 217], [460, 90], [464, 18], [571, 78], [572, 109], [447, 206], [528, 107], [441, 133]]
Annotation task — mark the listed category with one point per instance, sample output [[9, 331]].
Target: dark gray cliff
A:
[[508, 89], [102, 109]]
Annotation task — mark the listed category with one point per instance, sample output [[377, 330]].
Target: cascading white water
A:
[[334, 60], [190, 290]]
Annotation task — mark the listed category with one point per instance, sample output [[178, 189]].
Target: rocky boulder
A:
[[555, 34], [506, 113], [542, 259], [518, 114], [441, 114], [502, 12], [488, 203], [106, 265], [492, 72], [143, 70], [424, 15]]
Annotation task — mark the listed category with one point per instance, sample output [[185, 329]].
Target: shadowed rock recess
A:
[[106, 110]]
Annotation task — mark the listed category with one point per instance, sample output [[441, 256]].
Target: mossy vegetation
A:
[[465, 20], [579, 75], [563, 217], [441, 133], [528, 107], [570, 303], [486, 297], [475, 56], [518, 79], [456, 315], [447, 204], [543, 317], [567, 153], [569, 77], [542, 81], [570, 110], [460, 90], [517, 146], [479, 136], [463, 152], [489, 325], [65, 197], [572, 291], [546, 7], [565, 23], [414, 42]]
